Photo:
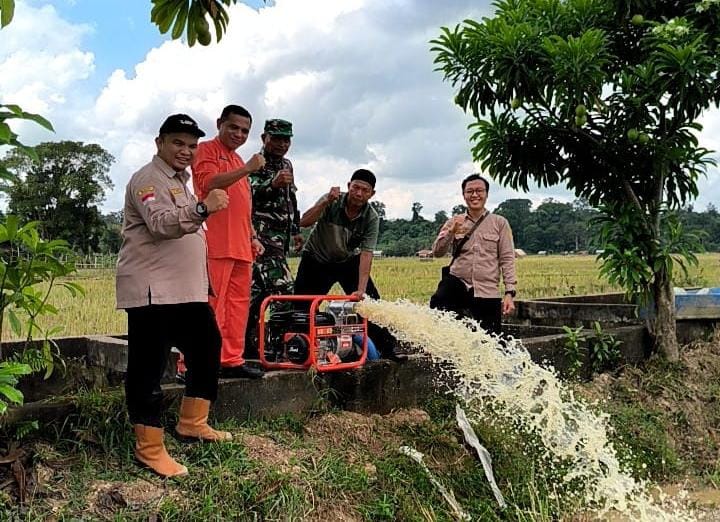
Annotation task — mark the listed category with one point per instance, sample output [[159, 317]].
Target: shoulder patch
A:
[[145, 190]]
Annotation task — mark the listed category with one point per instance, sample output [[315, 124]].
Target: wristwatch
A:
[[201, 208], [511, 293]]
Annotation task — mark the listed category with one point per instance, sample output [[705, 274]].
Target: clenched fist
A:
[[453, 226], [217, 199], [333, 194], [284, 178], [256, 163]]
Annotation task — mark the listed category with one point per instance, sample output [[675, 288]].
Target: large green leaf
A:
[[7, 10], [15, 323], [12, 394]]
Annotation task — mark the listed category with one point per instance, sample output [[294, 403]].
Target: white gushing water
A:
[[505, 376]]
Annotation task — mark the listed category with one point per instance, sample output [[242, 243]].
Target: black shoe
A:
[[243, 371], [180, 377], [395, 356]]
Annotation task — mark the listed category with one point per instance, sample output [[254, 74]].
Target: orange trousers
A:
[[231, 280]]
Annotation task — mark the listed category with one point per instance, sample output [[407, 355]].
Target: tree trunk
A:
[[664, 324]]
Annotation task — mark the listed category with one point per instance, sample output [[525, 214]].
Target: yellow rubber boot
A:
[[193, 422], [150, 450]]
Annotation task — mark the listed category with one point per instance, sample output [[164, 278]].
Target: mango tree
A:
[[603, 97]]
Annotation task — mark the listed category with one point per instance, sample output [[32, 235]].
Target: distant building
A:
[[542, 252], [424, 254], [377, 253], [519, 252]]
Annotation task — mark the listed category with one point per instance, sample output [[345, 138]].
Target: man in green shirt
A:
[[340, 248]]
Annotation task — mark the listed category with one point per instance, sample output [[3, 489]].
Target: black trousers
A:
[[316, 278], [454, 296], [152, 331]]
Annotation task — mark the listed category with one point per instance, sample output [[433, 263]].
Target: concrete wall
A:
[[99, 362], [378, 387], [558, 313]]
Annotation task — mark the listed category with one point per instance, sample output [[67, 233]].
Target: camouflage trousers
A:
[[271, 276]]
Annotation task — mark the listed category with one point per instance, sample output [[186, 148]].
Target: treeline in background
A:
[[551, 227], [65, 187]]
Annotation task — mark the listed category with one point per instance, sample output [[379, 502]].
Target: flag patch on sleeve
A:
[[146, 194]]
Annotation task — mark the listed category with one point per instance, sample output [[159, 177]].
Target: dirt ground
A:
[[687, 392], [37, 471]]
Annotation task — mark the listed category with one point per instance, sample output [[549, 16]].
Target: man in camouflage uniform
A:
[[276, 220]]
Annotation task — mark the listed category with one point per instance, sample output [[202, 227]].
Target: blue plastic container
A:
[[697, 303]]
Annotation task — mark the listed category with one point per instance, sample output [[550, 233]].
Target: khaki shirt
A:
[[163, 257], [488, 253]]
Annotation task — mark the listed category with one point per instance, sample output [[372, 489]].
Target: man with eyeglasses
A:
[[340, 249], [483, 250]]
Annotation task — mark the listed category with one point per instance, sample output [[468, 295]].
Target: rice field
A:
[[407, 278]]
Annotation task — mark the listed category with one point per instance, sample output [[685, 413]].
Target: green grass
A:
[[406, 278], [325, 479], [662, 415]]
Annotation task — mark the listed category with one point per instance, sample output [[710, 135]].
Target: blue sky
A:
[[356, 78], [121, 33]]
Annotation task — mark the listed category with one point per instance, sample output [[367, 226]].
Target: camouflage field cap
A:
[[278, 127]]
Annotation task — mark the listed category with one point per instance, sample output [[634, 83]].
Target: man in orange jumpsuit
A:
[[231, 240]]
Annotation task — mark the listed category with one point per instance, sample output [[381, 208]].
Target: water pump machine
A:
[[303, 331]]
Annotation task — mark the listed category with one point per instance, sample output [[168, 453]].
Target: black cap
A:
[[364, 175], [181, 123]]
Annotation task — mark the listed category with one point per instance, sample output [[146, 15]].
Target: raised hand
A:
[[283, 178], [217, 199], [256, 163], [333, 194]]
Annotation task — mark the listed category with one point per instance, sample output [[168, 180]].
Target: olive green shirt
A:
[[336, 238]]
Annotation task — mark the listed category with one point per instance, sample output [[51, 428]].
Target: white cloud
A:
[[355, 77], [41, 61]]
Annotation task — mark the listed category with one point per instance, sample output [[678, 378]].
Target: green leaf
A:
[[7, 10], [7, 175], [15, 323], [38, 119], [28, 151], [73, 288], [15, 109], [5, 131], [48, 359], [12, 394], [14, 368], [180, 21], [11, 227]]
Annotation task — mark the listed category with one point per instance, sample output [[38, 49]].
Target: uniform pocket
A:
[[490, 242], [181, 200]]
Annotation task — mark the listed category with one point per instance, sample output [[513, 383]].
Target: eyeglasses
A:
[[479, 192]]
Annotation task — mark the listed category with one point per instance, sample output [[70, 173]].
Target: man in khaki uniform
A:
[[483, 250], [162, 283]]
